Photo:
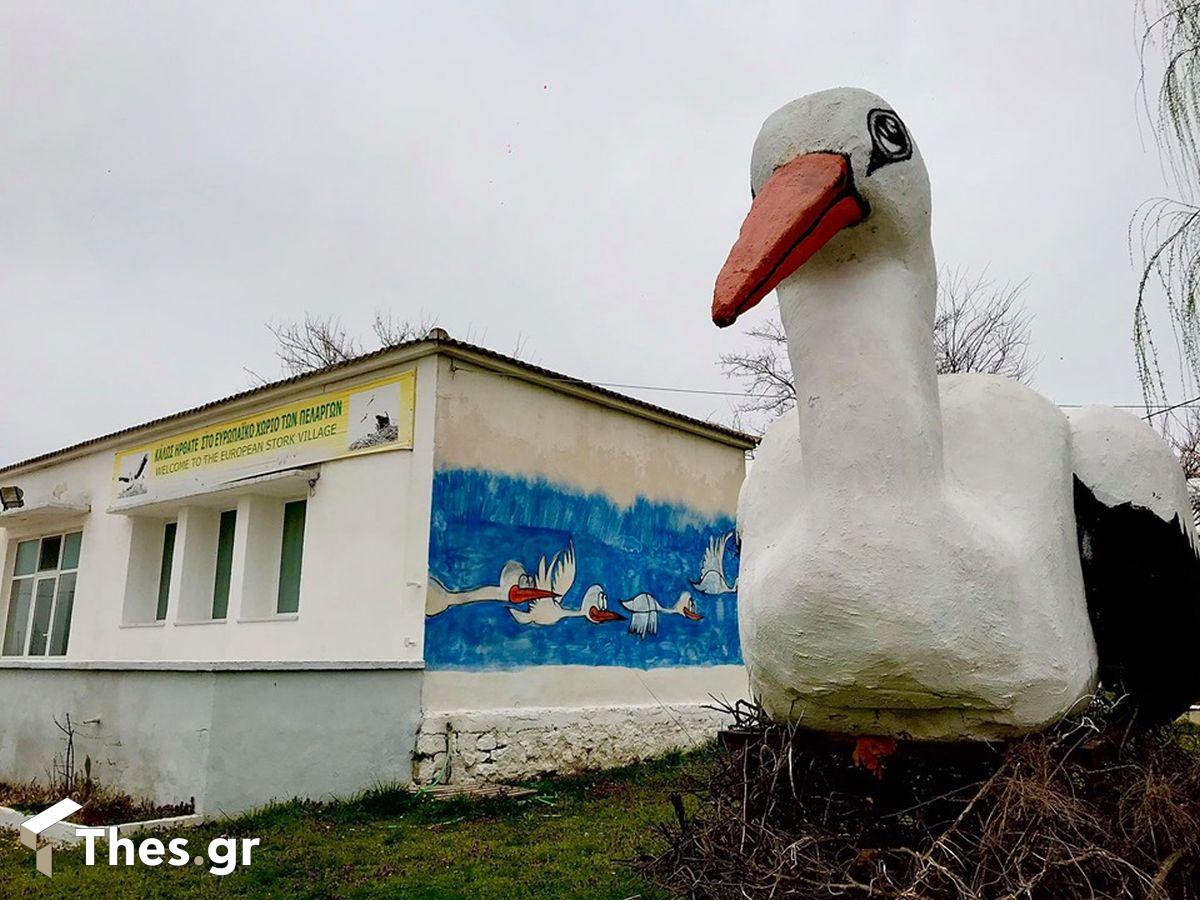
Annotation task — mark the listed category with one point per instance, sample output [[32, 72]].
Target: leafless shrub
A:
[[102, 804], [1088, 810], [63, 778]]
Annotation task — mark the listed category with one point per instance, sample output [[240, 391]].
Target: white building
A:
[[431, 562]]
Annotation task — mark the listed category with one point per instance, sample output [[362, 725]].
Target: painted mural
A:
[[526, 572]]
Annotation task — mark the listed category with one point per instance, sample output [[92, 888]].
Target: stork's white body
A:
[[953, 611]]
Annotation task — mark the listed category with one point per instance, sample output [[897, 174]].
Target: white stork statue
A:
[[1027, 553]]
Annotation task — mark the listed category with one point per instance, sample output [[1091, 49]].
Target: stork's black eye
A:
[[889, 139]]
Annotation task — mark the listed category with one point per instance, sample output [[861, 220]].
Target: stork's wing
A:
[[720, 554], [1141, 573], [142, 466], [562, 572], [559, 574], [641, 603], [714, 555], [643, 623]]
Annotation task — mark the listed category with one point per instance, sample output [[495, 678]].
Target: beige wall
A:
[[488, 420]]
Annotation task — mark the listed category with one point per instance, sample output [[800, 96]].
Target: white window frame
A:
[[36, 577]]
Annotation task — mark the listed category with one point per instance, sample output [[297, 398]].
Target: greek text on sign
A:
[[362, 419]]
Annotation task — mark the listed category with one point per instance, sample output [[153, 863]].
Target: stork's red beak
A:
[[598, 615], [692, 614], [524, 595], [801, 206]]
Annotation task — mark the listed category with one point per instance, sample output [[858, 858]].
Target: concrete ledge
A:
[[63, 833], [232, 665]]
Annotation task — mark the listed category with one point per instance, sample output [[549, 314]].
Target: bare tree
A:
[[1184, 436], [981, 327], [312, 344], [390, 331], [316, 343], [765, 371], [1182, 431], [978, 327], [1165, 231]]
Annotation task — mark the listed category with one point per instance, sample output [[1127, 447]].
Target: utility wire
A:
[[1158, 408], [1167, 409]]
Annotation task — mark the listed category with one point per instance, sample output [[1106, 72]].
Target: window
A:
[[290, 556], [225, 532], [42, 596], [164, 571]]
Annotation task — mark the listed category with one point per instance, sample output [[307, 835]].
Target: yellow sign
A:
[[367, 418]]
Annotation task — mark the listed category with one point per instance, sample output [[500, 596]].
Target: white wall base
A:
[[514, 744], [231, 740]]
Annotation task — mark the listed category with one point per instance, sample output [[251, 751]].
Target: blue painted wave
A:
[[482, 519]]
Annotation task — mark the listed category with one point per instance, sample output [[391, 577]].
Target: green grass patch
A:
[[572, 838]]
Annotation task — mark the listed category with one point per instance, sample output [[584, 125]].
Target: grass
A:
[[573, 839]]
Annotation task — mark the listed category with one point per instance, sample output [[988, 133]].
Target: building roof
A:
[[437, 341]]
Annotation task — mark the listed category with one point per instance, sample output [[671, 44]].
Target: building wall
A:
[[361, 588], [179, 708], [503, 475], [530, 481], [233, 740]]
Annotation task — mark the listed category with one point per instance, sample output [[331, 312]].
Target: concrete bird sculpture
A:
[[1027, 554]]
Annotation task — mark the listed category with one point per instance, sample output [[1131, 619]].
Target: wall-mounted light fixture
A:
[[11, 496]]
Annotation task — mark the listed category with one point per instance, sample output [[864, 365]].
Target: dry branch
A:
[[1088, 810]]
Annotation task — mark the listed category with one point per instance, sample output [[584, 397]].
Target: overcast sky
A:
[[175, 175]]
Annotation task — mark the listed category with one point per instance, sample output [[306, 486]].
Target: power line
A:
[[1158, 408], [1167, 409], [675, 390]]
